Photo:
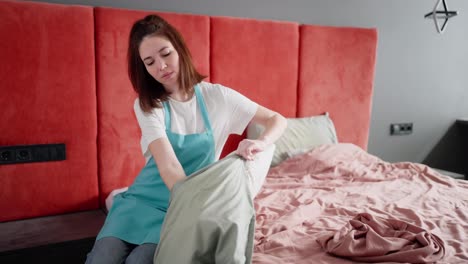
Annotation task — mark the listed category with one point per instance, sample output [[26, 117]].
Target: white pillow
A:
[[257, 169], [301, 133], [211, 217], [295, 152]]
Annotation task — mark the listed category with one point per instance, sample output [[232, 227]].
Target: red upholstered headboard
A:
[[337, 76], [48, 95], [64, 79], [258, 59]]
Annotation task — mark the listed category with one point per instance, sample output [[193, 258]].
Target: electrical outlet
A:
[[7, 156], [32, 153], [23, 154], [401, 129]]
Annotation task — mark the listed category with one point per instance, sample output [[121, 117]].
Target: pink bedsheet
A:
[[316, 193]]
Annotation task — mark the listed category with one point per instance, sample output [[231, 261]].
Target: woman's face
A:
[[161, 61]]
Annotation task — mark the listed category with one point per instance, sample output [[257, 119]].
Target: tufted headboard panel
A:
[[48, 96], [259, 59], [337, 76]]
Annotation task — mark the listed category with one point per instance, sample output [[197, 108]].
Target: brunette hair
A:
[[150, 92]]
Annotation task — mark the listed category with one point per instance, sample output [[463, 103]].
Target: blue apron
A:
[[137, 215]]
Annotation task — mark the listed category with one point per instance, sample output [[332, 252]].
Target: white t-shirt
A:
[[229, 112]]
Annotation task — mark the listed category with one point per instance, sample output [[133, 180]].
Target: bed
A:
[[315, 194], [322, 202], [320, 77]]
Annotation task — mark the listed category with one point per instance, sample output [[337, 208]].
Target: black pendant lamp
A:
[[441, 15]]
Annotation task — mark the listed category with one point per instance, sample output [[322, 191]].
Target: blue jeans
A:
[[111, 250]]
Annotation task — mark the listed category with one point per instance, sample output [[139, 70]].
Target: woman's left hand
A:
[[249, 147]]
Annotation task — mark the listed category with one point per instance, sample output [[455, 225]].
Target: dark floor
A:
[[69, 252]]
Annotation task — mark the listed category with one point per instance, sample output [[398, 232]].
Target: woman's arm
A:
[[274, 124], [166, 160]]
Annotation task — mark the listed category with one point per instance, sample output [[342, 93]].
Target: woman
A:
[[185, 123]]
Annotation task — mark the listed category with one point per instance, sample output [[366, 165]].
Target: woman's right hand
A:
[[249, 147]]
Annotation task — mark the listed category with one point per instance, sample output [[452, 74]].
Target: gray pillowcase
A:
[[211, 217], [301, 133]]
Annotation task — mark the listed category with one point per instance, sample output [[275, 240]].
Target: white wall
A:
[[421, 76]]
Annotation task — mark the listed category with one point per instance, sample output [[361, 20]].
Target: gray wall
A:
[[421, 76]]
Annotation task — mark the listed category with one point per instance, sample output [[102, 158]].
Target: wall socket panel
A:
[[32, 153], [401, 129]]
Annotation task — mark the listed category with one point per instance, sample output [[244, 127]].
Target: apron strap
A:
[[201, 104], [167, 115]]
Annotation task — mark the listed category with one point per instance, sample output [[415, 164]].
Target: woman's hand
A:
[[274, 125], [249, 147]]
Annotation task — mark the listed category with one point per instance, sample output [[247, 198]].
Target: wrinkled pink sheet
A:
[[316, 193], [371, 239]]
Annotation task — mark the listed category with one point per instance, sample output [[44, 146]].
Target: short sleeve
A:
[[151, 125], [240, 108]]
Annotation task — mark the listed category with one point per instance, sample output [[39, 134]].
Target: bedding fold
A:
[[367, 238]]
